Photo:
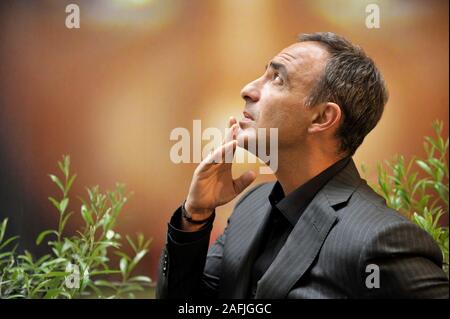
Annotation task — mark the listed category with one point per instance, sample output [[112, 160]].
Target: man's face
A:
[[277, 99]]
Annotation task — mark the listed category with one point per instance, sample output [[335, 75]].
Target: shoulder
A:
[[367, 209], [374, 228]]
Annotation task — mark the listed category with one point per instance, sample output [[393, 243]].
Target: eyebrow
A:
[[279, 67]]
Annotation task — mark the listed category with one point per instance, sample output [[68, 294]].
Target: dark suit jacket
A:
[[330, 253]]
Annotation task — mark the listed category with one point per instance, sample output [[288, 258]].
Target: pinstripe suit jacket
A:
[[330, 253]]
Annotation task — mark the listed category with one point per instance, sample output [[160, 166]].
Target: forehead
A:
[[307, 56]]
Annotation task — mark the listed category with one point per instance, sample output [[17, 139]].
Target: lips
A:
[[246, 121], [248, 116]]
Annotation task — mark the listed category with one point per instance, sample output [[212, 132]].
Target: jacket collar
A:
[[294, 204]]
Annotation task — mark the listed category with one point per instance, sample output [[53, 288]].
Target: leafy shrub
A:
[[78, 266], [418, 188]]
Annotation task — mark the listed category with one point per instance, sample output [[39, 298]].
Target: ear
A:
[[326, 116]]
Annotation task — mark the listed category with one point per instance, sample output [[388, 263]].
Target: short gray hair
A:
[[352, 81]]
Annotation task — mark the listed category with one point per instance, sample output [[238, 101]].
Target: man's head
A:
[[322, 92]]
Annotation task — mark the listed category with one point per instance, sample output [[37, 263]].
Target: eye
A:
[[277, 78]]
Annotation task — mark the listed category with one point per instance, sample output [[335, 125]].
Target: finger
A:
[[230, 133], [227, 152], [222, 154], [243, 181], [231, 121]]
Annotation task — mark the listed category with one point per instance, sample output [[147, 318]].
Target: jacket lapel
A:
[[308, 235]]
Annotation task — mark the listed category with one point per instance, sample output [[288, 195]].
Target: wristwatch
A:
[[189, 219]]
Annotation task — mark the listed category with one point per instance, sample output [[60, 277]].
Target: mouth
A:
[[246, 120], [248, 116]]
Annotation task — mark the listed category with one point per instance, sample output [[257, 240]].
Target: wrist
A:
[[195, 213]]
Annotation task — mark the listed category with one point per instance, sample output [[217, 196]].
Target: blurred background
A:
[[109, 94]]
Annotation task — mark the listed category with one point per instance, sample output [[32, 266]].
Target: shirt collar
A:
[[293, 205]]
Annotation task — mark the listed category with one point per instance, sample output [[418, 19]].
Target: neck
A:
[[295, 168]]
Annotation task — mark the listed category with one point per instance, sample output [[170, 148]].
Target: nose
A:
[[251, 92]]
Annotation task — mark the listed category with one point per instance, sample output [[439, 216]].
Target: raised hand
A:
[[212, 183]]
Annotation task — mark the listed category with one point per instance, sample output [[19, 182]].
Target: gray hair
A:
[[352, 81]]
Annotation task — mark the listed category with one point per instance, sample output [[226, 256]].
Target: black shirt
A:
[[285, 212]]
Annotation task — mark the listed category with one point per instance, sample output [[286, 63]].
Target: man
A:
[[320, 231]]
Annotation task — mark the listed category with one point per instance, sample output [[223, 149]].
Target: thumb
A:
[[243, 181]]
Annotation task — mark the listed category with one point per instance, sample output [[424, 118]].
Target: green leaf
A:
[[56, 274], [123, 265], [104, 283], [56, 180], [141, 279], [53, 262], [412, 178], [70, 182], [139, 256], [52, 293], [419, 220], [66, 246], [3, 229], [63, 205], [131, 287], [123, 255], [42, 259], [432, 143], [130, 241], [61, 167], [424, 166], [16, 296], [39, 287], [8, 241], [54, 202], [6, 254], [43, 234], [440, 144], [86, 214], [65, 165], [105, 272]]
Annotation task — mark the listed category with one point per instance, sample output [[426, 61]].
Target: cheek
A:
[[291, 119], [271, 113], [281, 113]]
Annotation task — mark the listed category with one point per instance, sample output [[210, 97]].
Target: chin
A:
[[247, 139]]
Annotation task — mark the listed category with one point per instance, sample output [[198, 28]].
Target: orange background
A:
[[110, 93]]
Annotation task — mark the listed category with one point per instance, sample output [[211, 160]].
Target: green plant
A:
[[78, 266], [418, 188]]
